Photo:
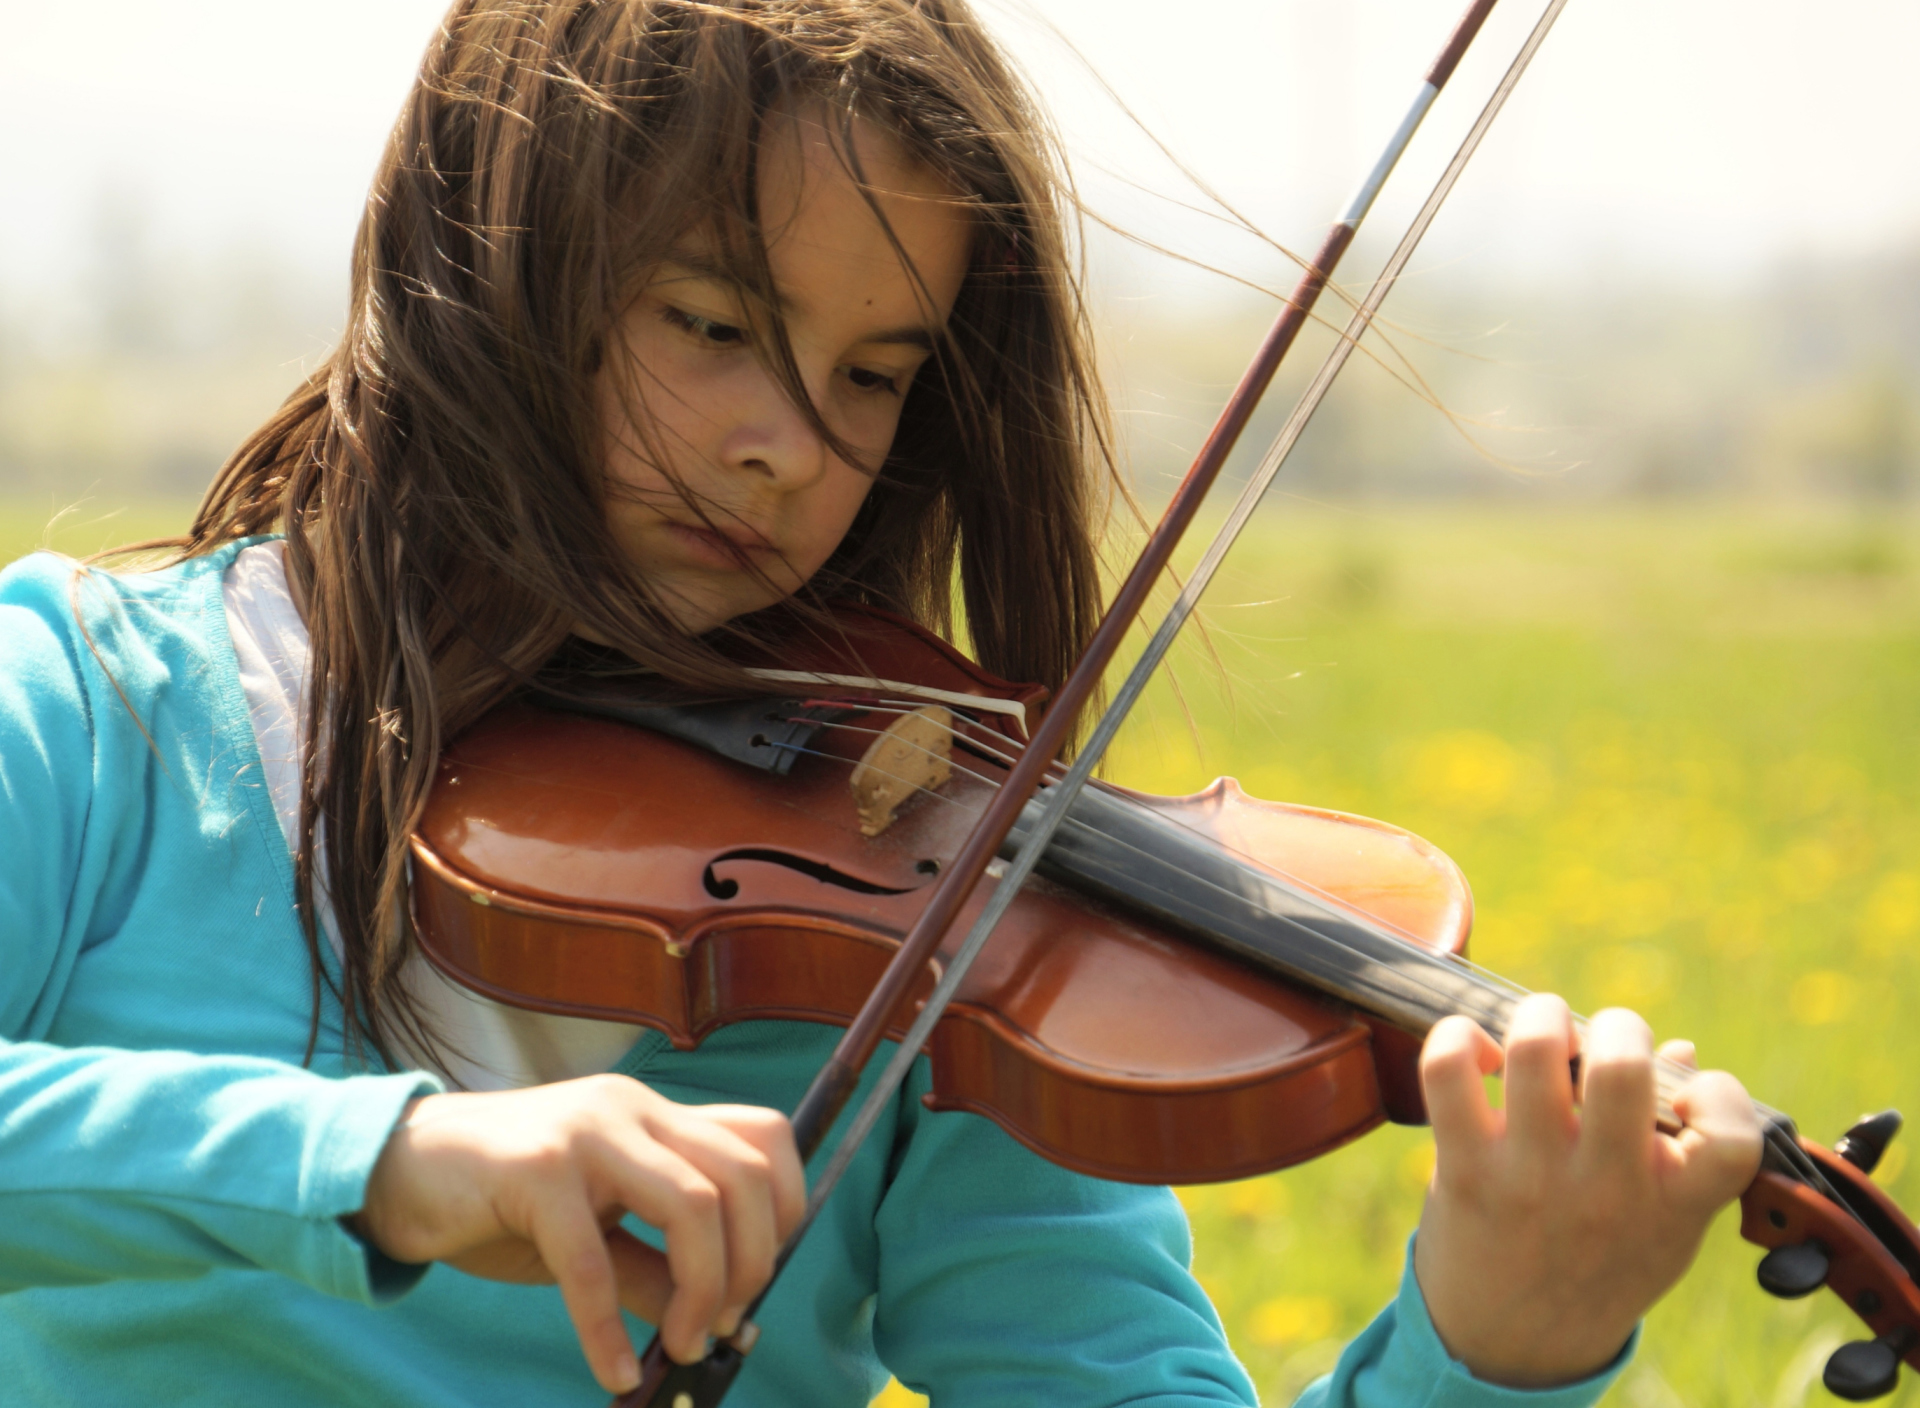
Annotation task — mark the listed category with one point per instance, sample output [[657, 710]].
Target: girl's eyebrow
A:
[[701, 267], [907, 337]]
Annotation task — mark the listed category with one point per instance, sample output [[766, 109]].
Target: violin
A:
[[1198, 988], [1109, 1026]]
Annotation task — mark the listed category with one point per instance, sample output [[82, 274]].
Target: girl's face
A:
[[686, 351]]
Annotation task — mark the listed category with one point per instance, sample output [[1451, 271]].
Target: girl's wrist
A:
[[364, 1223]]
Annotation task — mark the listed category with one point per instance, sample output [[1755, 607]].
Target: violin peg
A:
[[913, 754], [1794, 1271], [1864, 1144], [1863, 1369]]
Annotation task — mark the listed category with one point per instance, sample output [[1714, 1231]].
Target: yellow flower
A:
[[1476, 772], [1292, 1320], [1258, 1198], [1891, 914], [1821, 997]]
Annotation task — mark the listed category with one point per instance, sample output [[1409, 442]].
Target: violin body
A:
[[581, 866]]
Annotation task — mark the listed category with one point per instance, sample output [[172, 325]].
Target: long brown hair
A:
[[439, 479]]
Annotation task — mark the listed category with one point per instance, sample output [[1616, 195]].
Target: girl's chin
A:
[[704, 605]]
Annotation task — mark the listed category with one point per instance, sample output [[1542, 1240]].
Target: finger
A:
[[645, 1281], [1719, 1143], [1456, 1056], [1539, 1085], [744, 1176], [771, 1133], [668, 1192], [574, 1249], [1681, 1053], [1617, 1094]]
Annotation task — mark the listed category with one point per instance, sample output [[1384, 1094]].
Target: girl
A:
[[671, 323]]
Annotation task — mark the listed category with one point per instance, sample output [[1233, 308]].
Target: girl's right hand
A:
[[529, 1186]]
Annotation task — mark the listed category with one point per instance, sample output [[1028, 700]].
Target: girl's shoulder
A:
[[79, 634], [107, 612], [46, 577]]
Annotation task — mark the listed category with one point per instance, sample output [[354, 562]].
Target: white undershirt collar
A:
[[486, 1045]]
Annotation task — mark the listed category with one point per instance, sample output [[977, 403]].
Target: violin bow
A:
[[666, 1384]]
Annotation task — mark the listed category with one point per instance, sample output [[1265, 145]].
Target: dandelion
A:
[[1292, 1320], [1821, 997]]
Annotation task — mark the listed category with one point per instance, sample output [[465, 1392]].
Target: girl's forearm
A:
[[160, 1165]]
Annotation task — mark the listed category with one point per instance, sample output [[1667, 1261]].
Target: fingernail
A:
[[728, 1322], [626, 1373]]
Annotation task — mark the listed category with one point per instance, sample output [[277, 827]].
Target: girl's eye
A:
[[873, 381], [706, 329]]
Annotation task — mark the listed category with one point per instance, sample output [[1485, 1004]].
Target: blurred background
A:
[[1602, 574]]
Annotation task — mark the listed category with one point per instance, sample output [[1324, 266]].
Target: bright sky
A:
[[1695, 135]]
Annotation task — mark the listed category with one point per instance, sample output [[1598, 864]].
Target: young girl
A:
[[671, 323]]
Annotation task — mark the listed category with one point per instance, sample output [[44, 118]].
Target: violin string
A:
[[982, 778], [1490, 979], [967, 739], [1670, 1076], [902, 707], [916, 786]]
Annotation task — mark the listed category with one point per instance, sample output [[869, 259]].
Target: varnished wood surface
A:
[[563, 866]]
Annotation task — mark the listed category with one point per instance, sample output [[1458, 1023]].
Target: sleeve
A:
[[161, 1165], [144, 1164], [1399, 1360]]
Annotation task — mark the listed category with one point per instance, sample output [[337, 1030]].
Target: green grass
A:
[[84, 526], [1676, 753]]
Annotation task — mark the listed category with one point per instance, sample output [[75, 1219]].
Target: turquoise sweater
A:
[[171, 1177]]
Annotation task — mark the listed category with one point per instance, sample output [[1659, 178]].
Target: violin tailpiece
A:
[[914, 753]]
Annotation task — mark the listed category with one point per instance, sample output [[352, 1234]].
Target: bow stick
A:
[[665, 1384]]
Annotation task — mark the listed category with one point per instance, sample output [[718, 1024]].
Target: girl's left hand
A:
[[1550, 1230]]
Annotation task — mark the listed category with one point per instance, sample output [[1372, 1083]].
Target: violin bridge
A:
[[913, 754]]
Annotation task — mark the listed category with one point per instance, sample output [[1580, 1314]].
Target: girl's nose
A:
[[769, 435]]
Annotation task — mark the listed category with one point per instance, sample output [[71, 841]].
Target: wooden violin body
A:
[[581, 866]]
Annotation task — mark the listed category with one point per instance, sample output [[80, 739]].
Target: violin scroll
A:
[[1857, 1242]]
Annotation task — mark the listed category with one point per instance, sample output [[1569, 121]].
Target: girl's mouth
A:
[[709, 548]]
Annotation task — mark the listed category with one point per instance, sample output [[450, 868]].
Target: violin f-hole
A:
[[722, 888]]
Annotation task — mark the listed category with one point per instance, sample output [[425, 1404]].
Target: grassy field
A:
[[1675, 752]]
